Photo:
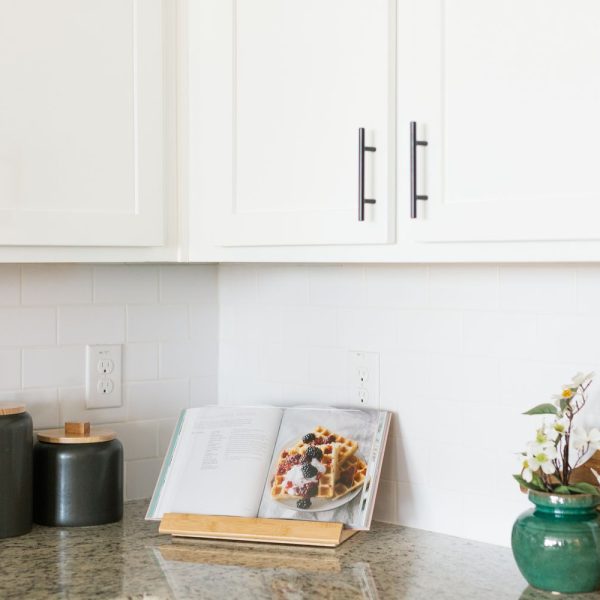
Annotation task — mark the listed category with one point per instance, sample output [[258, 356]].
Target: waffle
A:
[[352, 475], [292, 457], [323, 435]]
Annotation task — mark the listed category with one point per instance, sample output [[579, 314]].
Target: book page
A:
[[218, 462], [336, 480]]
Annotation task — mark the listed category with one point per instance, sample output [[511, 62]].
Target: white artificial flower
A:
[[542, 436], [542, 457], [581, 378], [567, 393], [526, 472], [594, 438], [559, 427], [580, 438]]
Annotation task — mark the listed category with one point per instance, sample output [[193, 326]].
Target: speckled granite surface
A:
[[130, 560]]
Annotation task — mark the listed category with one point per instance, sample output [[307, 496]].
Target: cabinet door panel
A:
[[81, 119], [307, 74], [506, 93]]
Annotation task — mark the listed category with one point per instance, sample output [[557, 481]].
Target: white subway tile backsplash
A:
[[430, 330], [398, 286], [43, 285], [73, 408], [152, 400], [467, 287], [10, 285], [140, 361], [238, 284], [147, 323], [203, 391], [91, 324], [191, 284], [588, 288], [136, 284], [337, 285], [140, 477], [283, 285], [547, 288], [10, 368], [57, 366], [572, 339], [49, 313], [328, 367], [204, 321], [177, 360], [308, 326], [27, 326], [42, 405], [238, 360], [187, 359], [501, 335], [464, 350], [140, 440], [166, 427], [283, 364], [367, 328]]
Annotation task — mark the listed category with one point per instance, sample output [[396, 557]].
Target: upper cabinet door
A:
[[507, 95], [82, 121], [298, 79]]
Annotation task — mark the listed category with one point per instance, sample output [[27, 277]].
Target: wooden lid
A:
[[11, 408], [76, 433]]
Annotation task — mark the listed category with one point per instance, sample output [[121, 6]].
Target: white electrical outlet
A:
[[363, 378], [103, 377]]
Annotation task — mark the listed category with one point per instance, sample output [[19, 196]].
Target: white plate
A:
[[318, 504]]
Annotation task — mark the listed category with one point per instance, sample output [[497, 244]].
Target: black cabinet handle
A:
[[361, 174], [413, 170]]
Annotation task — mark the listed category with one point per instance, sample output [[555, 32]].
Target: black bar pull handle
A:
[[413, 170], [361, 174]]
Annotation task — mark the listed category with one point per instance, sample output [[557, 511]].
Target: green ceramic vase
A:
[[557, 543]]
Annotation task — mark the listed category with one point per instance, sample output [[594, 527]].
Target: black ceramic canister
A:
[[78, 477], [16, 464]]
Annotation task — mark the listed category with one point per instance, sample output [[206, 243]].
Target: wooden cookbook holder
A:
[[247, 529]]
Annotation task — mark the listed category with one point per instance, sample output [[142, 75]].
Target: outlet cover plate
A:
[[363, 379], [103, 366]]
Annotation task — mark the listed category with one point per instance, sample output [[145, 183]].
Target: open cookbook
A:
[[285, 463]]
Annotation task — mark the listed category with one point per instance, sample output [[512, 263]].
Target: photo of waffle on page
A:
[[286, 463]]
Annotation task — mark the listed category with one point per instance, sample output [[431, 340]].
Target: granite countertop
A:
[[130, 560]]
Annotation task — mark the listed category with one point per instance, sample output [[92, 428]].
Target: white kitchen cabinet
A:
[[506, 93], [278, 93], [83, 140]]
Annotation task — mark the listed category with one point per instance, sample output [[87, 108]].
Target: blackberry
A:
[[308, 470], [304, 503], [313, 452], [312, 489], [308, 438]]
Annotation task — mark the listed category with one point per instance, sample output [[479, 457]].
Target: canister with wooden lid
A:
[[78, 477], [16, 463]]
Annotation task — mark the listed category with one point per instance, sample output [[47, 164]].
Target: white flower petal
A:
[[548, 468]]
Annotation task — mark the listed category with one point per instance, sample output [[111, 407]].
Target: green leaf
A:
[[564, 403], [529, 485], [584, 488], [542, 409], [562, 489], [538, 482]]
